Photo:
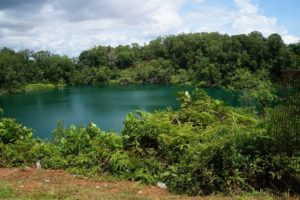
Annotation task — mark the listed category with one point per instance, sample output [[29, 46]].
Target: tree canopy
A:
[[206, 59]]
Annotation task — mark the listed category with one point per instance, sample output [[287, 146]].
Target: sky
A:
[[68, 27]]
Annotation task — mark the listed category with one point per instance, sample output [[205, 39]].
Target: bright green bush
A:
[[38, 86], [17, 146], [11, 131], [193, 149]]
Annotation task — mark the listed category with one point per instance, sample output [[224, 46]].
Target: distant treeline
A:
[[205, 59]]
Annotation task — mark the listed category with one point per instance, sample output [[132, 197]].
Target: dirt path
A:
[[31, 183]]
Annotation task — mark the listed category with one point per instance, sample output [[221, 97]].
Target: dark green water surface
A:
[[106, 106]]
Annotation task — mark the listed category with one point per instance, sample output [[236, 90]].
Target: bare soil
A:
[[30, 183]]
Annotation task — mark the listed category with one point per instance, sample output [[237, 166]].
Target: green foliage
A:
[[17, 146], [203, 59], [283, 123], [256, 89], [155, 71], [182, 77], [194, 147], [96, 57], [10, 131], [38, 86], [91, 75], [6, 192], [125, 56]]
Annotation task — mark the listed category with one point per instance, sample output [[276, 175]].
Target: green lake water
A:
[[106, 105]]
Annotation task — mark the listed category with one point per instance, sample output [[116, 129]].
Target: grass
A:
[[31, 87], [6, 191], [39, 86]]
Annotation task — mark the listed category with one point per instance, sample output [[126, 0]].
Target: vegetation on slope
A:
[[203, 148], [204, 59]]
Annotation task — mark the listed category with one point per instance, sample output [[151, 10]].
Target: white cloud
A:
[[70, 26], [165, 19], [248, 22], [246, 6], [248, 18], [245, 19], [289, 39]]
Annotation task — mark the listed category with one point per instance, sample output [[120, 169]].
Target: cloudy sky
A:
[[70, 26]]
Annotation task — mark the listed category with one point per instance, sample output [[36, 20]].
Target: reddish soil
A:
[[30, 180]]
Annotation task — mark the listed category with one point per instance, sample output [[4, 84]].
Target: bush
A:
[[17, 146], [11, 131]]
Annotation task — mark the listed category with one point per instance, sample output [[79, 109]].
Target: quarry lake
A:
[[105, 105]]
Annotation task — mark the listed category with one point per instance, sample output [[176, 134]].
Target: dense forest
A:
[[202, 59], [204, 147]]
